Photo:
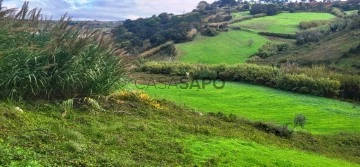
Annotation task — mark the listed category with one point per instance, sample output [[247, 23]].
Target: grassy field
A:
[[227, 47], [233, 152], [282, 23], [236, 15], [351, 12], [265, 104], [135, 132]]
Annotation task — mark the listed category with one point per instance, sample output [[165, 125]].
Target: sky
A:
[[107, 10]]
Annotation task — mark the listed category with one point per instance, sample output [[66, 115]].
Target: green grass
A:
[[351, 12], [227, 48], [133, 133], [270, 105], [282, 23], [236, 15], [234, 152]]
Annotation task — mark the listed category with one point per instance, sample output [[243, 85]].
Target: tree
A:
[[164, 18], [257, 9], [271, 10], [263, 8], [227, 2], [202, 6]]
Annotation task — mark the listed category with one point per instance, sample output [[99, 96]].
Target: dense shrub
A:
[[350, 87], [205, 72], [348, 5], [179, 69], [263, 75], [337, 12], [271, 49], [39, 60], [312, 24], [270, 9], [309, 85], [340, 24], [209, 32], [158, 29], [312, 35], [281, 131], [301, 81], [280, 35]]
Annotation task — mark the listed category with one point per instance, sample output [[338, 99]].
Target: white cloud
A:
[[108, 9]]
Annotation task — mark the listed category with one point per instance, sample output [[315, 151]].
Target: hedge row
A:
[[280, 35], [312, 24], [272, 49], [340, 24], [260, 75], [247, 18]]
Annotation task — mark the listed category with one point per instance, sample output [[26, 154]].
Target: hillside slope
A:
[[331, 50], [226, 48], [132, 129]]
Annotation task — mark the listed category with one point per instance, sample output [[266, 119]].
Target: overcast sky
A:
[[107, 9]]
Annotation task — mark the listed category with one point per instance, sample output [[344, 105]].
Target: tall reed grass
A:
[[47, 59]]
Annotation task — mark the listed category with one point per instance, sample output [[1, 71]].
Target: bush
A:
[[179, 69], [312, 24], [350, 87], [308, 81], [312, 35], [209, 32], [309, 85], [337, 12], [270, 9], [315, 34], [271, 49], [299, 120], [263, 75], [54, 60], [281, 131], [280, 35]]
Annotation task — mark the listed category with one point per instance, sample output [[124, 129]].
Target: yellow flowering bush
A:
[[134, 96]]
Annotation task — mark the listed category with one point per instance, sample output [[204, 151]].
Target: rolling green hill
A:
[[232, 47], [227, 48], [265, 104], [282, 23]]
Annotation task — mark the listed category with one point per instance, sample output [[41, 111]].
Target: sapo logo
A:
[[177, 83]]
